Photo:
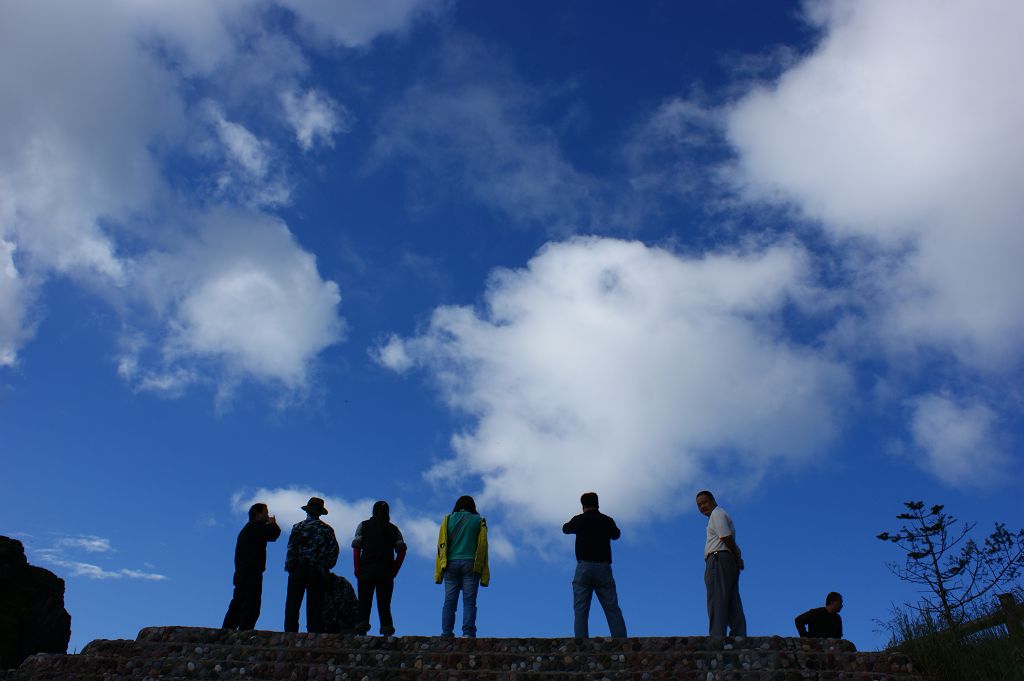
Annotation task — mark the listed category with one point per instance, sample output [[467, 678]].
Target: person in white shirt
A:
[[722, 564]]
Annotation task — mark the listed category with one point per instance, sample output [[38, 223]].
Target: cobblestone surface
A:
[[179, 653]]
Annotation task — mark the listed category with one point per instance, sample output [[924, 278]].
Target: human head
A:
[[381, 511], [833, 602], [315, 506], [706, 502], [465, 503], [589, 500], [258, 512]]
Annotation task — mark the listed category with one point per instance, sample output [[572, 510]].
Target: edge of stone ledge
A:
[[793, 643]]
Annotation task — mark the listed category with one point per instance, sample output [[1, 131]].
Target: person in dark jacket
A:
[[250, 564], [312, 552], [341, 607], [822, 622], [378, 551], [594, 532]]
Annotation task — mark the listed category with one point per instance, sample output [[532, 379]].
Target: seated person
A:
[[822, 622]]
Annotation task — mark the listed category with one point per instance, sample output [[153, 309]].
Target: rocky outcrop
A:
[[178, 653], [32, 614]]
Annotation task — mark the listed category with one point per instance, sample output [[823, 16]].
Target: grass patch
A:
[[987, 655]]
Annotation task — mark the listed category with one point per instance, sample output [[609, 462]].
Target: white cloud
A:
[[170, 383], [57, 557], [314, 117], [903, 126], [612, 366], [97, 100], [14, 328], [250, 174], [202, 36], [82, 106], [90, 571], [392, 355], [499, 545], [957, 440], [243, 147], [354, 23], [241, 292], [88, 543]]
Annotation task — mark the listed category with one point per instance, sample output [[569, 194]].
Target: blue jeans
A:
[[459, 576], [591, 577]]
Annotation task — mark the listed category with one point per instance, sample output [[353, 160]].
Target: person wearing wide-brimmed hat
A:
[[312, 552]]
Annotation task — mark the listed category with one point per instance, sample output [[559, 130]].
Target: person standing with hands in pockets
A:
[[376, 564], [722, 564], [462, 564]]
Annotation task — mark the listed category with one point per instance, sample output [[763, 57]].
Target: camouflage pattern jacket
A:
[[312, 542]]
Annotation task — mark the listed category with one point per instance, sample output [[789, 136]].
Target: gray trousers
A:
[[722, 579]]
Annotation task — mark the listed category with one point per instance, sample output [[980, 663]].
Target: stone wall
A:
[[173, 653]]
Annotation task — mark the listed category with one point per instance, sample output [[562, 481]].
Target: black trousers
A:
[[244, 609], [311, 582], [379, 579]]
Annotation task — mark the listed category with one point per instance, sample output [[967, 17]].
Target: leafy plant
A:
[[951, 569]]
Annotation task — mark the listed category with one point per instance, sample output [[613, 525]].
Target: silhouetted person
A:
[[462, 563], [722, 565], [312, 552], [341, 607], [594, 534], [378, 550], [822, 622], [250, 563]]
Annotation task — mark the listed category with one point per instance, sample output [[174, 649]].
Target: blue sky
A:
[[407, 250]]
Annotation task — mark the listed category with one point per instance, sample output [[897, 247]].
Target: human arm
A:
[[400, 549], [570, 527], [291, 554], [802, 621], [730, 543], [720, 526], [271, 530], [399, 559], [355, 562], [330, 547], [613, 530]]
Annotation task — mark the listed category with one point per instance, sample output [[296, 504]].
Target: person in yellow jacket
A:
[[461, 564]]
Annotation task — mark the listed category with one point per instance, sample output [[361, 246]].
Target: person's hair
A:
[[589, 500], [465, 503], [381, 511], [256, 509], [705, 493], [832, 596]]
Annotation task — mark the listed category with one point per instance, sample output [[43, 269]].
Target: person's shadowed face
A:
[[705, 504]]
